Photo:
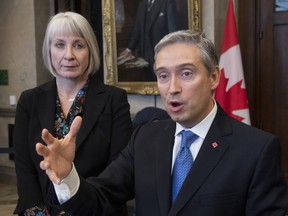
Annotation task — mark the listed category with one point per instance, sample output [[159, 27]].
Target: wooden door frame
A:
[[248, 26]]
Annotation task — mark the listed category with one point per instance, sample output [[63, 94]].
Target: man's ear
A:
[[215, 78]]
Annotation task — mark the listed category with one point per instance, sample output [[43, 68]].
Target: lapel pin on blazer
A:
[[215, 145]]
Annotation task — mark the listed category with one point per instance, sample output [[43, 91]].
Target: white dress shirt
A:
[[201, 129]]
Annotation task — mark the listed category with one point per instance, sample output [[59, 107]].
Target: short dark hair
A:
[[207, 48]]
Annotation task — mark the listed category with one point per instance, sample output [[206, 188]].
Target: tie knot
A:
[[188, 137]]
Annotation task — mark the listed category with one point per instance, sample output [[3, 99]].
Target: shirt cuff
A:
[[68, 187]]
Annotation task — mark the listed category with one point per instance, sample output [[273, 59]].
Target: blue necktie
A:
[[183, 162]]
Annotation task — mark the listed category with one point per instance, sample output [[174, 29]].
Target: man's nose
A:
[[175, 85]]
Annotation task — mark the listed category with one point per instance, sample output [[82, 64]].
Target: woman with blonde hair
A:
[[71, 54]]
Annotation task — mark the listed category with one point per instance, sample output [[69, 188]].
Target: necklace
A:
[[71, 99]]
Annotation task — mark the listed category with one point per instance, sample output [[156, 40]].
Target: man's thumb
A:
[[75, 126]]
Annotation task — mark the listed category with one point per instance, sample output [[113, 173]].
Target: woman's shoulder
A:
[[100, 86], [48, 86]]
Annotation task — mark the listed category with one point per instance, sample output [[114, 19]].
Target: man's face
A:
[[184, 83]]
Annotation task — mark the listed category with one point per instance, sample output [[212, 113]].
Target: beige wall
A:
[[22, 26], [17, 53], [21, 40]]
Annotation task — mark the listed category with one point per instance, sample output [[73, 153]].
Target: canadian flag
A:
[[231, 92]]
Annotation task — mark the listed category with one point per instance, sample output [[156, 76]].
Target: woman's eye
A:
[[59, 45], [79, 46]]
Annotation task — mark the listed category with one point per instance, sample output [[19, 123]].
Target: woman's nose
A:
[[69, 54]]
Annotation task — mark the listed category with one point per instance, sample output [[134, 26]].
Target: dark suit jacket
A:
[[241, 175], [151, 27], [105, 131]]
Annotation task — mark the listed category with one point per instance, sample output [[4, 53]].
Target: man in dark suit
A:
[[236, 169], [154, 19]]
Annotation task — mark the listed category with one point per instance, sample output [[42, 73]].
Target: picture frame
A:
[[116, 35]]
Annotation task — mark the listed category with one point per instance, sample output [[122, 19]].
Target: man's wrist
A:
[[68, 187], [72, 177]]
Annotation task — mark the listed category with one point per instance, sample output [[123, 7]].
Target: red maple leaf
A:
[[233, 99]]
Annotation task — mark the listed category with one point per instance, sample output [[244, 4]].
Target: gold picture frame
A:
[[110, 52]]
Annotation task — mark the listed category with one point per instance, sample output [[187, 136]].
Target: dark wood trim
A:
[[6, 112], [248, 39]]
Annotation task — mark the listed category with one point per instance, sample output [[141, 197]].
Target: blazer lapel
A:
[[154, 13], [164, 148], [96, 99], [45, 105], [211, 152]]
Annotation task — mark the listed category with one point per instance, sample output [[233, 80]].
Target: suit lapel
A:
[[96, 99], [211, 152], [164, 147], [45, 105], [154, 12]]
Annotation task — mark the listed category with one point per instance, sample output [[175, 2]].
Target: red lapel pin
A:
[[214, 145]]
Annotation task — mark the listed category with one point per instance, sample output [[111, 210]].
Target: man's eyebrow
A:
[[186, 65], [160, 68], [178, 66]]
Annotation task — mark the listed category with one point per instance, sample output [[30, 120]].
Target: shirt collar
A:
[[202, 128]]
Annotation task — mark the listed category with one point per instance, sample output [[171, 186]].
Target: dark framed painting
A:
[[131, 28]]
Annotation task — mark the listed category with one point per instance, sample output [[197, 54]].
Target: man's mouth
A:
[[175, 104]]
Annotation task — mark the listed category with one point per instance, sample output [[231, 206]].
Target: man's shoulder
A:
[[153, 128]]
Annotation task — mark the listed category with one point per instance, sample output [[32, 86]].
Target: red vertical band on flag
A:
[[230, 37], [231, 92]]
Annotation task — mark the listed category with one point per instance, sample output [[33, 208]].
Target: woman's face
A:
[[69, 56]]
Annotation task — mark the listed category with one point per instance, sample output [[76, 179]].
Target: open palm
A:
[[58, 154]]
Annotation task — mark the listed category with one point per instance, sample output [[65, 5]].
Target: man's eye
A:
[[162, 76], [186, 74]]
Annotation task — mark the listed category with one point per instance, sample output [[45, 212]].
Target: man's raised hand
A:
[[58, 154]]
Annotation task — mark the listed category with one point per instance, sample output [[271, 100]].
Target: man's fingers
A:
[[41, 149], [47, 137], [44, 165], [58, 152]]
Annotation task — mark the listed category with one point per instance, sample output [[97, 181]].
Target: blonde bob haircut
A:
[[71, 24]]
